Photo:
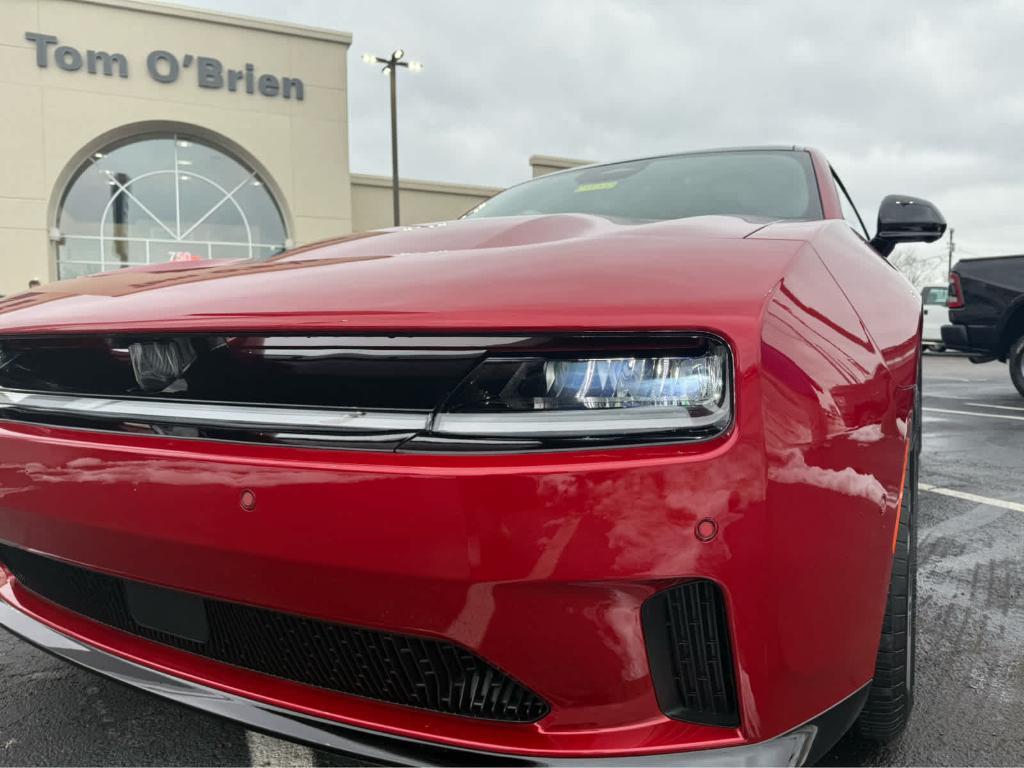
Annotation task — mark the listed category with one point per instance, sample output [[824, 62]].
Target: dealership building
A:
[[138, 132]]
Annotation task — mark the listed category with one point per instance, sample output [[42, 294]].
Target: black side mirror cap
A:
[[906, 219]]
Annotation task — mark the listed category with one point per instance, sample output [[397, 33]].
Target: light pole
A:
[[390, 69], [952, 247]]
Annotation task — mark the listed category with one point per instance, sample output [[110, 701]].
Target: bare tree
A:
[[920, 266]]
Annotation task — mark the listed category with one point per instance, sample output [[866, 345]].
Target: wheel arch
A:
[[1011, 327]]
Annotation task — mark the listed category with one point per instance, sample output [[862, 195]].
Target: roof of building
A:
[[227, 19]]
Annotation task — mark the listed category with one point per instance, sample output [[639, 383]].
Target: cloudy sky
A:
[[923, 98]]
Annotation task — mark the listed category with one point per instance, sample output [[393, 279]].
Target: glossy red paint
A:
[[538, 562], [486, 274]]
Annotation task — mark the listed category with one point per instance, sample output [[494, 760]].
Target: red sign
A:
[[185, 256]]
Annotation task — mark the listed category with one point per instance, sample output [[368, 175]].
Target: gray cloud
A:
[[919, 98]]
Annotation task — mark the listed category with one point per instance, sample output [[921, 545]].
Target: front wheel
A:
[[891, 694], [1016, 361]]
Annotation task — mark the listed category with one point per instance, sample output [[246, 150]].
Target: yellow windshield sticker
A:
[[596, 187]]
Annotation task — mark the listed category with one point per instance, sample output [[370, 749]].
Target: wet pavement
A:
[[970, 668], [969, 707]]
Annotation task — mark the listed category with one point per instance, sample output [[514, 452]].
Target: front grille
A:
[[399, 669], [379, 392], [688, 646]]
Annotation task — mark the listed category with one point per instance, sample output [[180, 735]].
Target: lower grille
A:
[[399, 669], [688, 646]]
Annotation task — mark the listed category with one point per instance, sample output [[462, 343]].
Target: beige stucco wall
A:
[[419, 201], [51, 119], [542, 164]]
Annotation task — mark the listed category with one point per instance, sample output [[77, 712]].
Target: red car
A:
[[622, 465]]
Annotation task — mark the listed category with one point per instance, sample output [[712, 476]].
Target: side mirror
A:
[[906, 219]]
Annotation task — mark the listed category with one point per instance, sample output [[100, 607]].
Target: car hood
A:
[[554, 272]]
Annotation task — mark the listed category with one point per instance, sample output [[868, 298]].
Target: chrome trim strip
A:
[[581, 423], [213, 414], [364, 743], [403, 343], [360, 354]]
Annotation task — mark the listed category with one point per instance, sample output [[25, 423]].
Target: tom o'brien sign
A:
[[165, 67]]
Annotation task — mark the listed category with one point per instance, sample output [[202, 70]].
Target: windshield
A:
[[774, 184]]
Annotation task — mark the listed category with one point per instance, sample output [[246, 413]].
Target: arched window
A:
[[164, 198]]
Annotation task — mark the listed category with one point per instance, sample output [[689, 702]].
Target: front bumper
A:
[[537, 563], [793, 748]]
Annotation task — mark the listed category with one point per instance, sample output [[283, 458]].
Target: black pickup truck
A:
[[986, 309]]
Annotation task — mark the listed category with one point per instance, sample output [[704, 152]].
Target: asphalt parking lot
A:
[[970, 694]]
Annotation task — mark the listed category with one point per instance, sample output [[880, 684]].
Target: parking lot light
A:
[[389, 68]]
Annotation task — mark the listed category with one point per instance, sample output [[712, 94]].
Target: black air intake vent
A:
[[687, 636], [399, 669]]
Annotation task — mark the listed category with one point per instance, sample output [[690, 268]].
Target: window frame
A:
[[841, 188]]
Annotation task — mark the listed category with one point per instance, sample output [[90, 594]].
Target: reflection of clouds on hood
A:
[[795, 471], [182, 473], [869, 433]]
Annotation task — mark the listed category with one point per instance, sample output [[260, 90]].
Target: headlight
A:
[[682, 393]]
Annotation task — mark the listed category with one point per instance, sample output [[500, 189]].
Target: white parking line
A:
[[975, 413], [1004, 407], [1011, 505], [267, 751]]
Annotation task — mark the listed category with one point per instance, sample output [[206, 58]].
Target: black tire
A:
[[1016, 360], [891, 695]]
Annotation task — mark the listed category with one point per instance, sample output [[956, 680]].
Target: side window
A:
[[850, 210]]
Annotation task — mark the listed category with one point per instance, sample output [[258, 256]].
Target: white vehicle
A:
[[936, 315]]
